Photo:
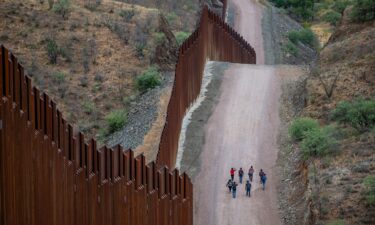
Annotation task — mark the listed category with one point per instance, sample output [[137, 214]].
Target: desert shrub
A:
[[159, 37], [53, 50], [340, 5], [116, 120], [291, 48], [332, 17], [318, 142], [363, 10], [83, 81], [59, 77], [85, 60], [305, 36], [127, 14], [303, 9], [66, 53], [336, 222], [171, 18], [92, 4], [181, 37], [139, 49], [50, 3], [62, 7], [98, 78], [299, 127], [149, 79], [88, 107], [369, 183], [359, 113]]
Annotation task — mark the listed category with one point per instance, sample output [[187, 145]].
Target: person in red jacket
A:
[[232, 171]]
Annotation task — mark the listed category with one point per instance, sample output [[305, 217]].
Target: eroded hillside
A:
[[88, 55], [329, 158]]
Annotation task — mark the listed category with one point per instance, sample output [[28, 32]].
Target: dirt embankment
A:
[[330, 188], [89, 58]]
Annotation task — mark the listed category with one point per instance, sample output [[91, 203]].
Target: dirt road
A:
[[242, 131]]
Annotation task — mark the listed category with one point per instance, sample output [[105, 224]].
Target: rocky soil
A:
[[142, 114], [330, 188], [276, 24]]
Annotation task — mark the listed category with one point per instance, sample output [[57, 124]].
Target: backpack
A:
[[240, 172], [230, 183]]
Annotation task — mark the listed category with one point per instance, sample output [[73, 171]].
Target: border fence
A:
[[51, 175], [214, 40]]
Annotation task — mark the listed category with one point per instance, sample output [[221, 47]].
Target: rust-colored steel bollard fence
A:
[[214, 40]]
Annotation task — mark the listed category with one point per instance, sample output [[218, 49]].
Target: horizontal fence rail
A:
[[49, 175], [213, 39]]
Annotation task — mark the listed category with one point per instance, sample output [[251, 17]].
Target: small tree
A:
[[52, 50], [363, 10], [318, 142], [62, 7], [359, 113], [300, 126]]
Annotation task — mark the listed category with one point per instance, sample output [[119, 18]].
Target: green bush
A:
[[305, 36], [301, 8], [53, 50], [363, 10], [88, 107], [116, 120], [299, 127], [181, 37], [340, 5], [62, 7], [139, 48], [149, 79], [336, 222], [59, 77], [171, 18], [359, 113], [159, 38], [127, 14], [369, 183], [332, 17], [291, 48], [318, 142]]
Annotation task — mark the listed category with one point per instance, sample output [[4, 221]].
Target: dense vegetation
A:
[[359, 113], [149, 79], [316, 141], [307, 10]]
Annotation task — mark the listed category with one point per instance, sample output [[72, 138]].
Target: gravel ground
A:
[[142, 114]]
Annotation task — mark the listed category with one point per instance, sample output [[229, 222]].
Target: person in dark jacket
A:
[[251, 173], [248, 188], [240, 174], [263, 179], [234, 189], [229, 185]]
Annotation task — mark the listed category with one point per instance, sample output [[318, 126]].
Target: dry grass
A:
[[87, 42]]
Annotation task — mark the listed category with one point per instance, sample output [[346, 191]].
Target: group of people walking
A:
[[232, 185]]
